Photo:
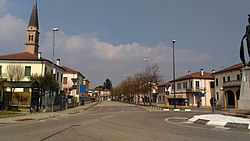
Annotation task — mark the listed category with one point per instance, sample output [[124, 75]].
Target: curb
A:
[[175, 110], [47, 115], [221, 123]]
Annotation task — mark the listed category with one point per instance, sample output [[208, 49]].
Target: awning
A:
[[21, 84]]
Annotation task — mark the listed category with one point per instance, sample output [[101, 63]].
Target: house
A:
[[93, 94], [163, 90], [32, 62], [194, 88], [76, 86], [103, 94], [227, 86]]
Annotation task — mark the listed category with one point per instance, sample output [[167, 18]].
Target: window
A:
[[228, 78], [197, 84], [26, 89], [184, 85], [46, 69], [217, 94], [27, 71], [216, 82], [191, 84], [178, 85], [61, 77], [173, 85], [65, 80], [57, 76], [238, 77], [224, 79], [211, 84], [31, 38]]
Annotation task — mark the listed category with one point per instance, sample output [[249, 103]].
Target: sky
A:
[[111, 38]]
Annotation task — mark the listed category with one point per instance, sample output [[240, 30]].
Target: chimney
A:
[[189, 72], [39, 55], [213, 71], [58, 62], [202, 72]]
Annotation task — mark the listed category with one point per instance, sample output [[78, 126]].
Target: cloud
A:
[[12, 34], [2, 3], [99, 60], [3, 6]]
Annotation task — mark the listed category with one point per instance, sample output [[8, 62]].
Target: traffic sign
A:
[[74, 87], [74, 80]]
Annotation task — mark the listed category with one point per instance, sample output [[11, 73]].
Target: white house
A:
[[33, 63], [76, 86]]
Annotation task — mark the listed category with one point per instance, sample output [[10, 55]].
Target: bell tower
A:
[[32, 33]]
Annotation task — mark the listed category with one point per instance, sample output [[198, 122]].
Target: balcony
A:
[[234, 83], [194, 90]]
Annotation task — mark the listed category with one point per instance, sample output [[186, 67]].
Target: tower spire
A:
[[34, 16], [32, 33]]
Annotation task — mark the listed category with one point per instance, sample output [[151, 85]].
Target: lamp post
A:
[[174, 74], [54, 44], [54, 70], [146, 60]]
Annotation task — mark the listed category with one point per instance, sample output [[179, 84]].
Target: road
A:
[[113, 121]]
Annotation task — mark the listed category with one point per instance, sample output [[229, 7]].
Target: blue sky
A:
[[110, 38]]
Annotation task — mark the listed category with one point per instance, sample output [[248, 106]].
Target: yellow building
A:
[[193, 88]]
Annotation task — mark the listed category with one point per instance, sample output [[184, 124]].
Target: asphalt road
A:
[[113, 121]]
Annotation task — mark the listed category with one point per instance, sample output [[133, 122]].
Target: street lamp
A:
[[146, 60], [174, 74], [54, 70], [54, 44]]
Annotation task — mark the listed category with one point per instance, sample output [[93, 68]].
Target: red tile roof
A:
[[195, 75], [165, 84], [24, 56], [19, 56], [69, 70], [233, 67]]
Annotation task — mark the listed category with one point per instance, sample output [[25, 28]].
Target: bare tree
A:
[[14, 72], [140, 83]]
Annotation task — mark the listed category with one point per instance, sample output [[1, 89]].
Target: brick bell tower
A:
[[32, 33]]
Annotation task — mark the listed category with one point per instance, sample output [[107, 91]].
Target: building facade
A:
[[163, 91], [227, 86], [193, 88], [76, 86]]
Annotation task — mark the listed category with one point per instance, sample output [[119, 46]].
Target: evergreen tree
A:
[[107, 84]]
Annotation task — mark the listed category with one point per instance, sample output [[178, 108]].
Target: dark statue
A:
[[247, 36]]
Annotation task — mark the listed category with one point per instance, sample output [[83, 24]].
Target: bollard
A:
[[167, 104]]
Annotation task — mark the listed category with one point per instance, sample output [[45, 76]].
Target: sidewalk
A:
[[41, 116]]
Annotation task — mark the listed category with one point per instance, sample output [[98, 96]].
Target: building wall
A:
[[193, 94], [219, 93], [75, 92], [37, 67]]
